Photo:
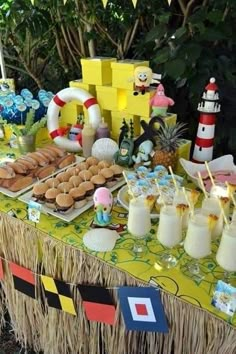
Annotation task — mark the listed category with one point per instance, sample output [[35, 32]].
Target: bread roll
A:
[[18, 167], [40, 158], [6, 172], [59, 151], [21, 182], [46, 171], [65, 160]]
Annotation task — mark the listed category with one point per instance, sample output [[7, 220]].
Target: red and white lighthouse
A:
[[209, 106]]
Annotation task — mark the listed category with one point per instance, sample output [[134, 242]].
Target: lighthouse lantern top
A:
[[210, 98]]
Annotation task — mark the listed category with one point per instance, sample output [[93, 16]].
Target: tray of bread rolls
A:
[[18, 176], [68, 194]]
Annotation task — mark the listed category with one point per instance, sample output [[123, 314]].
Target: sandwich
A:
[[48, 154], [50, 197], [92, 161], [79, 196], [89, 187], [103, 164], [28, 162], [45, 171], [94, 169], [85, 175], [118, 172], [52, 182], [39, 191], [65, 187], [82, 166], [64, 203], [39, 157], [63, 176], [108, 174], [98, 181], [75, 180]]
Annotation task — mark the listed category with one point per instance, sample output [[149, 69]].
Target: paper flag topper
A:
[[58, 294], [104, 3], [98, 304], [1, 270], [24, 280], [142, 309]]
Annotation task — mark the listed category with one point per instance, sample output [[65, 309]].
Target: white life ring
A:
[[60, 99]]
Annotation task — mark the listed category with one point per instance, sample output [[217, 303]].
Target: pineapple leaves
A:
[[168, 137]]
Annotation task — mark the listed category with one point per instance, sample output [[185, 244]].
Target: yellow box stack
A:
[[112, 83], [184, 152], [123, 73], [97, 71]]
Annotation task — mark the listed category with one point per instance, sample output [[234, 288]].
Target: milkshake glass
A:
[[211, 205], [139, 223], [197, 243], [169, 233], [226, 254]]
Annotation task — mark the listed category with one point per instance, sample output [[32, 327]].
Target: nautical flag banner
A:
[[58, 294], [98, 304], [104, 3], [24, 280], [142, 309], [1, 270]]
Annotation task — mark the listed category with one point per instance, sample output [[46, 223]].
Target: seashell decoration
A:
[[104, 149], [100, 240]]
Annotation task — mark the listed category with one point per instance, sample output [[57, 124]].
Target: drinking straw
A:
[[130, 191], [231, 195], [160, 192], [223, 212], [209, 174], [188, 201], [202, 185], [173, 178]]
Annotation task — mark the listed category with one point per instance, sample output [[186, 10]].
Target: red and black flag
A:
[[98, 304], [24, 280]]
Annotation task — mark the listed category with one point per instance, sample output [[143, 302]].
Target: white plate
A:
[[223, 163], [11, 194], [74, 213], [122, 198]]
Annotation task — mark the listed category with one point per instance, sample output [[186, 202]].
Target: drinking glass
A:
[[226, 254], [169, 234], [139, 224], [197, 244], [211, 205]]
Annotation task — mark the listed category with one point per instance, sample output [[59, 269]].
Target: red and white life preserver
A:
[[60, 99]]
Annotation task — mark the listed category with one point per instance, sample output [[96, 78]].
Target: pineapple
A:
[[167, 141]]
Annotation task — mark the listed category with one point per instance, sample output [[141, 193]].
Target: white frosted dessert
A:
[[197, 243], [169, 231], [139, 221], [226, 254]]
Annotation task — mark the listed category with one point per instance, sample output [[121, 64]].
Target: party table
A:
[[55, 248]]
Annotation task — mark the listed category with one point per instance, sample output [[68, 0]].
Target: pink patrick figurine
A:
[[160, 102]]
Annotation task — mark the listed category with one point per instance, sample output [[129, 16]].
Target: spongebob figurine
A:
[[143, 78]]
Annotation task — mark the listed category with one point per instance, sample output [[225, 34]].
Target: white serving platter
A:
[[25, 198], [11, 194], [122, 198]]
